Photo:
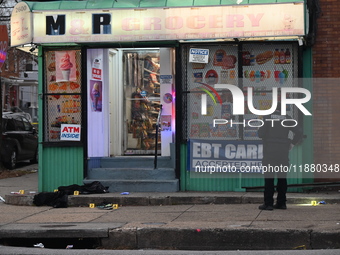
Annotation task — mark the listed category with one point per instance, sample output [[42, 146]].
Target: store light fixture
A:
[[246, 39]]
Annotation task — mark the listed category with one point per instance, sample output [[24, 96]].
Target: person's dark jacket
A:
[[278, 133]]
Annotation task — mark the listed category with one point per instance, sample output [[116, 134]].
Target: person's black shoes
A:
[[280, 206], [270, 208], [266, 207]]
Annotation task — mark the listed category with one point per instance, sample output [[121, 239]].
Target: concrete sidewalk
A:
[[183, 220]]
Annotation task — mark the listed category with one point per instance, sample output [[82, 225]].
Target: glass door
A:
[[141, 70]]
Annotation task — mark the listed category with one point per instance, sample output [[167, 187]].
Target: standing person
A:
[[276, 147]]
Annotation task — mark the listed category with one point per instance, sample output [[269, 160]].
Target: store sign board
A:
[[70, 132], [3, 44], [21, 25], [169, 23]]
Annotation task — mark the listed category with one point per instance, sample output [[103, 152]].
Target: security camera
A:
[[33, 48]]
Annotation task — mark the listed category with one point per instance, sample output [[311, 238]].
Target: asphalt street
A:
[[38, 251]]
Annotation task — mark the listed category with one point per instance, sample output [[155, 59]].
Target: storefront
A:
[[109, 73]]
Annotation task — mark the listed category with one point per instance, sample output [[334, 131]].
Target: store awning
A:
[[102, 4]]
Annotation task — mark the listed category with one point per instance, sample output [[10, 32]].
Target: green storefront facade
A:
[[66, 162]]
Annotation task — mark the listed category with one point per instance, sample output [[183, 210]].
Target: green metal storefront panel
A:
[[234, 182], [237, 182], [60, 166]]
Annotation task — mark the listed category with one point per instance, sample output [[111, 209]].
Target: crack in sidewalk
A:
[[182, 213]]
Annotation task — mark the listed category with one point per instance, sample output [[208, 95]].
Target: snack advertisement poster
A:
[[65, 62]]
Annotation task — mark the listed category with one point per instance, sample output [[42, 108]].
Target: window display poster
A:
[[65, 63], [96, 89], [166, 122]]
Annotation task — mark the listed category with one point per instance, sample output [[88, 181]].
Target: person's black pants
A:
[[275, 155], [269, 189]]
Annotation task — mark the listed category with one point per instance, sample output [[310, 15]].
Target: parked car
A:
[[19, 140]]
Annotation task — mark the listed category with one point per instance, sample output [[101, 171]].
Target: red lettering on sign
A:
[[71, 129], [130, 24], [152, 22], [235, 21], [255, 20], [193, 22]]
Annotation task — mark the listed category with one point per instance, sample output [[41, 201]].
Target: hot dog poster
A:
[[272, 65]]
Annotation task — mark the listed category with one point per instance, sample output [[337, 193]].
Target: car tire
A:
[[35, 159], [11, 164]]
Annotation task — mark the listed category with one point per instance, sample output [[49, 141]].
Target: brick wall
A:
[[326, 93]]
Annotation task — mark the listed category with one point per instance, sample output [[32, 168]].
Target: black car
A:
[[19, 140]]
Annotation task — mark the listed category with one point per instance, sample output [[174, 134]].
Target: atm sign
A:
[[70, 132]]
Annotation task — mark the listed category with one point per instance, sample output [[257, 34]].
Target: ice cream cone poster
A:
[[66, 65], [96, 95]]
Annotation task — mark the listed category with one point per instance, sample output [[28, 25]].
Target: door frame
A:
[[115, 103]]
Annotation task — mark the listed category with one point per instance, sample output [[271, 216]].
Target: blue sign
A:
[[199, 51], [143, 93]]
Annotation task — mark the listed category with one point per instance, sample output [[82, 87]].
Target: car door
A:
[[30, 139]]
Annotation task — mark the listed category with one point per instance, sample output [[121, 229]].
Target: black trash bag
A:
[[54, 199], [89, 188], [69, 190], [94, 187]]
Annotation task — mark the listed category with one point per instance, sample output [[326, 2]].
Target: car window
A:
[[27, 124], [10, 125], [19, 125]]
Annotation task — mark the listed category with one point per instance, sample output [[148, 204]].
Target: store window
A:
[[142, 101], [259, 66], [62, 93]]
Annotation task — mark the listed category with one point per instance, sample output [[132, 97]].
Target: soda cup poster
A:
[[66, 69], [96, 95]]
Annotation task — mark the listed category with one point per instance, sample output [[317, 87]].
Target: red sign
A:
[[3, 44]]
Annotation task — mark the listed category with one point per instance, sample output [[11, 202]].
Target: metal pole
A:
[[156, 140]]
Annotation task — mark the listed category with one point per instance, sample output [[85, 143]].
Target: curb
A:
[[117, 237], [171, 199]]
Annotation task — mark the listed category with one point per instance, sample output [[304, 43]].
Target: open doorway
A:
[[136, 90]]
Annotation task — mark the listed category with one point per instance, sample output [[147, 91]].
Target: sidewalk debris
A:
[[39, 245], [105, 207]]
